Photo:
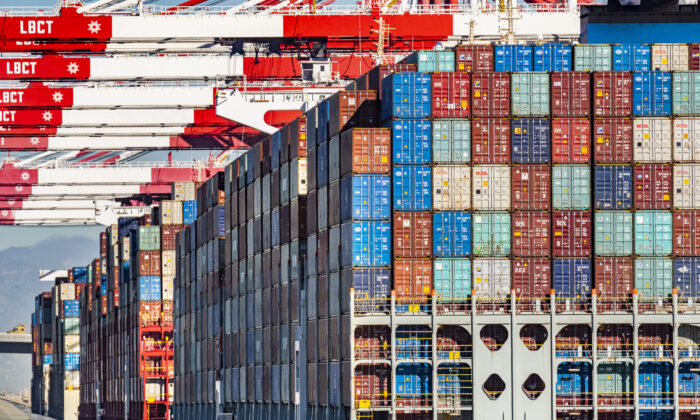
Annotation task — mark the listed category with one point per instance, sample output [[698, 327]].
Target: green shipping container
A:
[[452, 279], [653, 278], [452, 141], [530, 94], [149, 238], [615, 379], [71, 326], [571, 187], [592, 57], [613, 233], [491, 234], [686, 93], [435, 61], [653, 233]]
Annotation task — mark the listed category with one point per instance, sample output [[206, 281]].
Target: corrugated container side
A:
[[413, 282], [571, 187], [686, 233], [492, 279], [571, 94], [631, 57], [474, 58], [686, 186], [452, 234], [365, 150], [531, 234], [652, 140], [592, 57], [530, 94], [451, 93], [571, 140], [612, 93], [451, 187], [412, 188], [613, 187], [653, 278], [413, 384], [491, 234], [451, 141], [452, 279], [572, 234], [372, 285], [653, 185], [694, 50], [532, 280], [572, 279], [490, 187], [686, 95], [531, 140], [411, 141], [431, 61], [510, 58], [531, 187], [614, 278], [651, 93], [406, 95], [613, 233], [669, 57], [686, 139], [490, 95], [653, 233], [687, 277], [552, 57], [366, 244], [365, 197], [491, 140], [413, 235]]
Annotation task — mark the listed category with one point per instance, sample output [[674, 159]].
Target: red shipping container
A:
[[653, 185], [532, 280], [104, 304], [413, 281], [571, 94], [474, 58], [531, 237], [686, 233], [103, 242], [613, 140], [694, 56], [372, 385], [571, 140], [572, 234], [365, 151], [491, 140], [613, 94], [372, 342], [491, 95], [413, 234], [149, 313], [169, 236], [530, 185], [296, 132], [450, 93], [149, 263], [614, 281]]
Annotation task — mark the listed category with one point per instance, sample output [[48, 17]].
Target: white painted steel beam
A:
[[143, 97], [190, 67]]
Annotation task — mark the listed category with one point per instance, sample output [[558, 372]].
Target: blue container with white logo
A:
[[631, 57], [71, 361], [48, 359], [613, 187], [406, 95], [651, 93], [452, 234], [71, 308], [512, 58], [412, 188], [149, 288], [411, 141], [530, 139], [552, 57]]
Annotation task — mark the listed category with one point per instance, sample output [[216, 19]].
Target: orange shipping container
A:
[[571, 140], [365, 151], [413, 281]]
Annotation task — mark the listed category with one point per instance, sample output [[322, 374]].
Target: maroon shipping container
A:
[[614, 281], [450, 93], [365, 151], [572, 234], [686, 233], [613, 94], [372, 385], [651, 336], [491, 140], [103, 242], [413, 281], [531, 234], [653, 185], [297, 136], [694, 56], [573, 337], [149, 263], [530, 186], [149, 313], [571, 94], [168, 313], [532, 281], [613, 140], [413, 234], [474, 58], [571, 140], [377, 74], [372, 342], [491, 95], [355, 108], [169, 236]]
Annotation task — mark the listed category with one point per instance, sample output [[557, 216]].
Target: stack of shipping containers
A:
[[42, 352]]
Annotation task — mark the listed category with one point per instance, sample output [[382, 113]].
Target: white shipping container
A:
[[184, 191], [168, 289], [168, 263], [171, 391], [67, 291], [451, 187], [71, 343], [114, 239], [154, 391], [686, 139], [491, 187], [652, 139], [171, 212], [126, 248], [71, 379], [686, 186], [302, 187], [492, 278], [669, 57]]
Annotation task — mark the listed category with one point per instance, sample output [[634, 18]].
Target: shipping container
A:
[[372, 287], [613, 233], [653, 140], [413, 283], [413, 233], [413, 384], [686, 277], [532, 282], [694, 50], [552, 57], [452, 279], [686, 139], [612, 94], [631, 57], [571, 140], [656, 385], [452, 234], [432, 61], [613, 187], [474, 58], [686, 233], [372, 386], [450, 94], [490, 140], [572, 280], [451, 141], [571, 187], [371, 244], [531, 234], [490, 187], [572, 234], [574, 386], [530, 139], [686, 93], [615, 385], [571, 94], [490, 95], [653, 278], [491, 279], [531, 187], [530, 94], [592, 57], [614, 281], [686, 186], [411, 141], [652, 186], [368, 197], [406, 95], [512, 58], [412, 188], [491, 234], [451, 187], [653, 233], [669, 57], [365, 150], [651, 93]]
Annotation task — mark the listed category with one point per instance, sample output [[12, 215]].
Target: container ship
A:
[[490, 230]]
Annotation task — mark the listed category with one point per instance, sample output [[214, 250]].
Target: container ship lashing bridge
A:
[[104, 104]]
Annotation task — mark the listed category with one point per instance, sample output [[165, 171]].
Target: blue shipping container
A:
[[411, 141], [656, 414], [71, 361], [366, 244], [686, 277], [189, 211], [48, 359], [372, 288], [631, 57], [103, 289], [513, 58], [222, 221], [413, 342], [689, 379], [574, 380], [71, 308], [413, 188], [413, 380], [651, 93], [149, 288], [365, 197], [572, 279], [452, 234], [613, 187], [653, 233], [406, 95], [530, 140], [655, 383], [321, 164], [322, 117], [275, 149], [553, 57]]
